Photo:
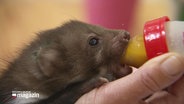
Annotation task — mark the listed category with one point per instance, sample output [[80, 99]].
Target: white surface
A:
[[175, 36]]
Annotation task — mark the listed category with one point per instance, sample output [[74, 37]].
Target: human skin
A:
[[159, 81]]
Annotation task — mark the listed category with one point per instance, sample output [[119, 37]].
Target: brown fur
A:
[[62, 65]]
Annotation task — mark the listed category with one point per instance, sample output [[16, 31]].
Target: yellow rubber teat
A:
[[135, 54]]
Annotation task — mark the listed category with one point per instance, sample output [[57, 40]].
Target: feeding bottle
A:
[[159, 36]]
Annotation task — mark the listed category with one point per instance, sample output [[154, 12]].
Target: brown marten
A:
[[62, 64]]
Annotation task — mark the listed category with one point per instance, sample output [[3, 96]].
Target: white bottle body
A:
[[175, 36]]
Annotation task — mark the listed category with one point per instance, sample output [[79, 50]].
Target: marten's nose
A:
[[126, 35]]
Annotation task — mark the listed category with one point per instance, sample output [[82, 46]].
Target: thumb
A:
[[156, 74], [161, 72]]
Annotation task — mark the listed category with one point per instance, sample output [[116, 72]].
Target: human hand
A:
[[165, 71]]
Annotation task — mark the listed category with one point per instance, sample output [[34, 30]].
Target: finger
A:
[[177, 90], [174, 94], [161, 97], [153, 76]]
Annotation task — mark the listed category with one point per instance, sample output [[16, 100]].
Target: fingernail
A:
[[173, 65]]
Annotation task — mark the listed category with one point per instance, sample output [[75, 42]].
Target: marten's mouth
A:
[[120, 43]]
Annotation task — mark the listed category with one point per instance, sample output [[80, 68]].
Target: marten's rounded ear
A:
[[47, 59]]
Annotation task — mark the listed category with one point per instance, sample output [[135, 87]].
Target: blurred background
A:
[[20, 20]]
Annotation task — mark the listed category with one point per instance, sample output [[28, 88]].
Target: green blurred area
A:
[[181, 13], [181, 10]]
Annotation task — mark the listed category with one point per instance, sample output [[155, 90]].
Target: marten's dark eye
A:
[[93, 41]]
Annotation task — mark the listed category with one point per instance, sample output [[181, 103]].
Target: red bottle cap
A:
[[155, 37]]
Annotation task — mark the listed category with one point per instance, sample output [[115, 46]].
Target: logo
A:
[[24, 94]]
